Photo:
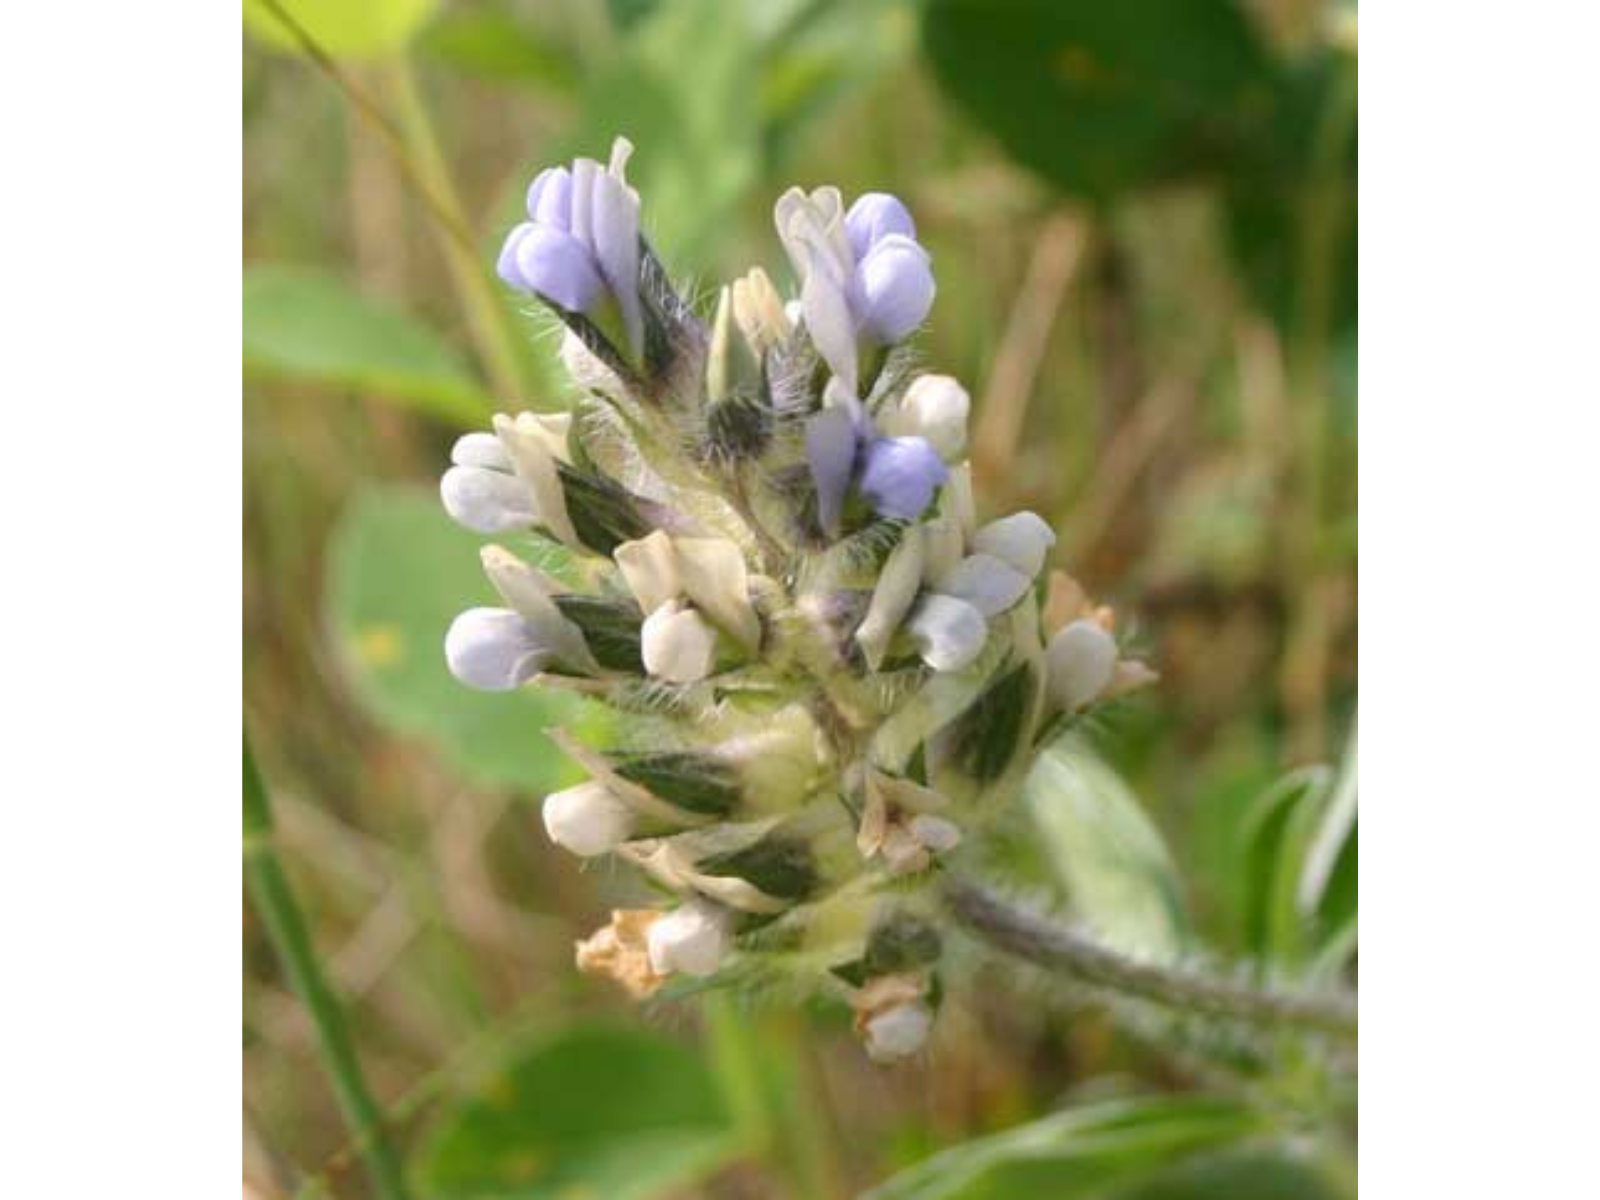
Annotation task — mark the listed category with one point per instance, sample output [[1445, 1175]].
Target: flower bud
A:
[[897, 1032], [934, 408], [1022, 540], [494, 649], [678, 644], [715, 577], [1081, 660], [895, 285], [692, 939], [759, 312], [587, 819], [487, 501], [900, 476], [896, 591], [553, 264]]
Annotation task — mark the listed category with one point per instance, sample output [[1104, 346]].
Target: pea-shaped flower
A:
[[579, 246], [863, 274]]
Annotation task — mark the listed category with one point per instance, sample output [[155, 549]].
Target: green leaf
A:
[[594, 1112], [399, 572], [344, 28], [1100, 97], [305, 323], [1247, 1173], [1119, 876], [1077, 1153]]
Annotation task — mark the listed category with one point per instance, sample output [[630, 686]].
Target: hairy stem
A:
[[279, 911], [1047, 944]]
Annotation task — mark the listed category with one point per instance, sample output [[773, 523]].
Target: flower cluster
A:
[[831, 672]]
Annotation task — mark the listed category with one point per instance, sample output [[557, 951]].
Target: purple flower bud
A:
[[873, 216], [894, 288], [554, 264], [901, 475]]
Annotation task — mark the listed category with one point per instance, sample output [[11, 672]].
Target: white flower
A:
[[587, 819], [715, 577], [528, 591], [949, 633], [535, 442], [935, 407], [494, 649], [898, 1032], [692, 939], [678, 644], [482, 491], [649, 566], [896, 590], [985, 582], [1080, 660], [1021, 540]]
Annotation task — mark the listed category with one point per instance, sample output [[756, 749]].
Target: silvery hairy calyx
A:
[[830, 671]]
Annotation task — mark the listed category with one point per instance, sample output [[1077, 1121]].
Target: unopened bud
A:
[[692, 939], [898, 1032], [678, 644], [587, 819], [1081, 660]]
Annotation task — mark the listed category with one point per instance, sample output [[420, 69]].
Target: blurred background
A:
[[1142, 221]]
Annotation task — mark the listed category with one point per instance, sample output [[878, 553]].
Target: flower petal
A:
[[678, 644], [557, 266], [988, 584], [481, 450], [528, 592], [650, 568], [527, 440], [949, 633], [691, 939], [895, 289], [898, 584], [487, 501], [550, 198], [1081, 661], [1022, 540], [614, 229], [493, 649], [873, 216], [716, 579], [900, 476], [829, 322], [587, 819], [831, 452], [935, 407], [506, 265]]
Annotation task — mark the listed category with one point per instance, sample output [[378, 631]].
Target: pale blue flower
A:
[[898, 476], [580, 243], [494, 649]]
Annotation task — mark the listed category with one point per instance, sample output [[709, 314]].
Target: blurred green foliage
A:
[[1142, 220]]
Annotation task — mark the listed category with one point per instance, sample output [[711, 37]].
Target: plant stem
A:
[[280, 913], [738, 1073], [1048, 944], [486, 314], [422, 165]]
